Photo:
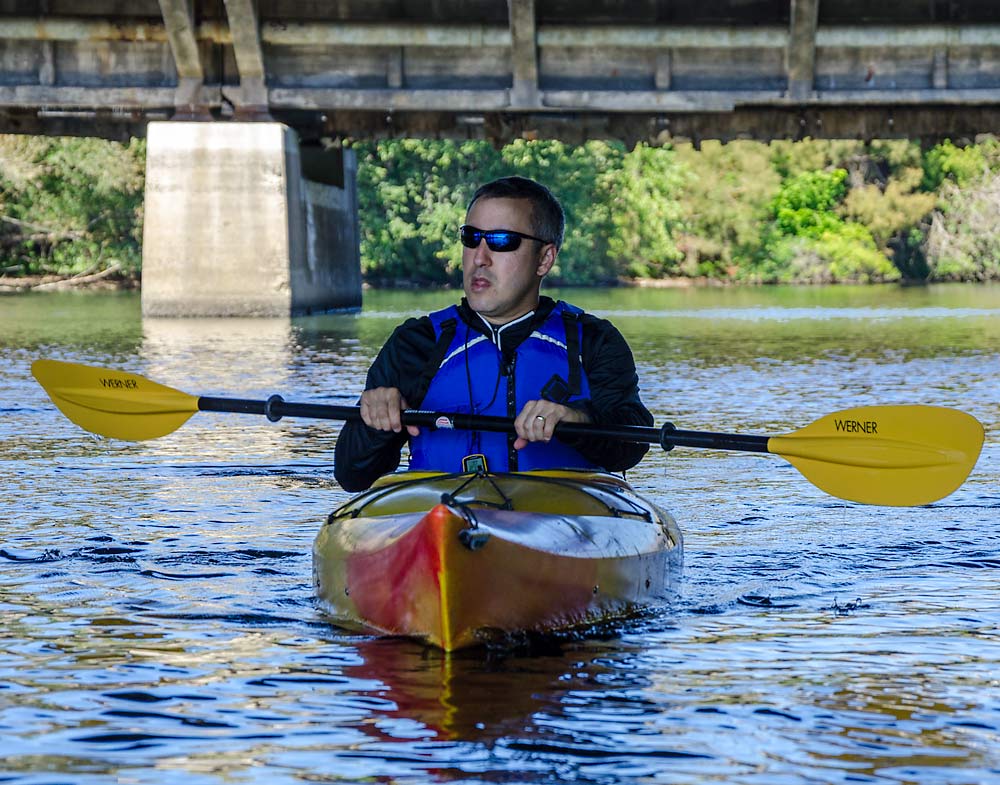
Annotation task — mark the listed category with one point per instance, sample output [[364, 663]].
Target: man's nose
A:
[[481, 254]]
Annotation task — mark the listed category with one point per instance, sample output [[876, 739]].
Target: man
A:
[[505, 350]]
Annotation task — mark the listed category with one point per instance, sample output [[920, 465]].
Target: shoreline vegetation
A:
[[802, 212], [111, 278]]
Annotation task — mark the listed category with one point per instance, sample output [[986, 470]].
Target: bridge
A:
[[247, 104], [501, 69]]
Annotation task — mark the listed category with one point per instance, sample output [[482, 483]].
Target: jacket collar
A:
[[511, 334]]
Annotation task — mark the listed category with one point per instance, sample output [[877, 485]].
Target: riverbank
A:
[[111, 279], [805, 212], [115, 280]]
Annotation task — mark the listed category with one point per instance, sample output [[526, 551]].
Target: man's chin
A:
[[479, 302]]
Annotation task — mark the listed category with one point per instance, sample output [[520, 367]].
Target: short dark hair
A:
[[548, 220]]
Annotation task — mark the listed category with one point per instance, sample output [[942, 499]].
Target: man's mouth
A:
[[478, 284]]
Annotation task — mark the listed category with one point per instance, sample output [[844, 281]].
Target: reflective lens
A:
[[501, 240]]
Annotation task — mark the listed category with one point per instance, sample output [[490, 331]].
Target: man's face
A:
[[503, 285]]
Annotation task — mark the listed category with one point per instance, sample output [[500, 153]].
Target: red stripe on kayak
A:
[[402, 588]]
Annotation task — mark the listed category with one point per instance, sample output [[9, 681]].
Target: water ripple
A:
[[160, 624]]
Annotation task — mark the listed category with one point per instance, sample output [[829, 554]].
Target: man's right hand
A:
[[382, 409]]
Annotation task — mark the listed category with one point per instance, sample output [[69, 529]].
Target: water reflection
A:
[[437, 696], [69, 322], [159, 621], [232, 354], [253, 359]]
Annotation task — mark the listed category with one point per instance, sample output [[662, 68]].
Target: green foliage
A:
[[895, 154], [791, 159], [890, 210], [809, 241], [804, 205], [956, 164], [800, 212], [897, 218], [584, 179], [70, 206], [411, 199], [852, 256], [646, 213], [724, 201], [413, 195], [964, 239]]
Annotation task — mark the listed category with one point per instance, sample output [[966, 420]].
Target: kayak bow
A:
[[462, 560]]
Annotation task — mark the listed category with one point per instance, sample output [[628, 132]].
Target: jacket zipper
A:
[[511, 412]]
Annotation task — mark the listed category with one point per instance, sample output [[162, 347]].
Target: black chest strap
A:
[[571, 323], [436, 357]]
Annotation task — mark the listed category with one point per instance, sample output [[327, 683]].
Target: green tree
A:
[[897, 217], [724, 202], [411, 198], [413, 195], [583, 178], [645, 213], [70, 206], [946, 162], [806, 211], [964, 240], [809, 241], [792, 158], [804, 205]]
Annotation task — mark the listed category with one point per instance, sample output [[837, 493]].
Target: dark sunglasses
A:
[[496, 239]]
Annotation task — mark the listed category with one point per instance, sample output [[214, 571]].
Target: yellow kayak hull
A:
[[463, 560]]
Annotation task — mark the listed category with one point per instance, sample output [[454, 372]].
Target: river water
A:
[[159, 624]]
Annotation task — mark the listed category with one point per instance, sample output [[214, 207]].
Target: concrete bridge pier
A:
[[239, 221]]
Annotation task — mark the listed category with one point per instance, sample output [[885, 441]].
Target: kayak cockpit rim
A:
[[602, 487]]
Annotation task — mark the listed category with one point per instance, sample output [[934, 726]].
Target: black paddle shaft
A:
[[668, 437]]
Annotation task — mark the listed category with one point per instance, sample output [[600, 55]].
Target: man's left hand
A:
[[537, 421]]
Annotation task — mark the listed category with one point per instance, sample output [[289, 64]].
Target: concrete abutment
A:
[[241, 221]]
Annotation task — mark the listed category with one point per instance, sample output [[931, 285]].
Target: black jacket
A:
[[364, 454]]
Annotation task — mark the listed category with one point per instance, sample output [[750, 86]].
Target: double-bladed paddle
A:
[[892, 455]]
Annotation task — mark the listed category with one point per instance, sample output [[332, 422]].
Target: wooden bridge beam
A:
[[250, 101], [523, 54], [801, 53], [178, 18]]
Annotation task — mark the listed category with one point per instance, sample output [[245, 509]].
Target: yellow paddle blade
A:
[[114, 403], [893, 455]]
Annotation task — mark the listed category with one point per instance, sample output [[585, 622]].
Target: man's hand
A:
[[538, 419], [382, 409]]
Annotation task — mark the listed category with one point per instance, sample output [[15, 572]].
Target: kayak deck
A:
[[460, 560]]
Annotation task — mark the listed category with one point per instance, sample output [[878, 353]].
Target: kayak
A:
[[460, 560]]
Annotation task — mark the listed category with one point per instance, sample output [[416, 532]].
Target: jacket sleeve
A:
[[364, 454], [614, 395]]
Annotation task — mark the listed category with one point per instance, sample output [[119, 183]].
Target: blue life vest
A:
[[472, 379]]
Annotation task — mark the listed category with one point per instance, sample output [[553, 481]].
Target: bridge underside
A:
[[504, 69], [927, 124]]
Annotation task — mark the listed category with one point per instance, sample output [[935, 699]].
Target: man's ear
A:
[[546, 260]]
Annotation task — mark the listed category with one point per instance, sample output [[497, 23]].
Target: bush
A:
[[724, 201], [70, 206], [897, 217], [959, 165], [645, 213], [807, 211], [964, 240], [413, 195]]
